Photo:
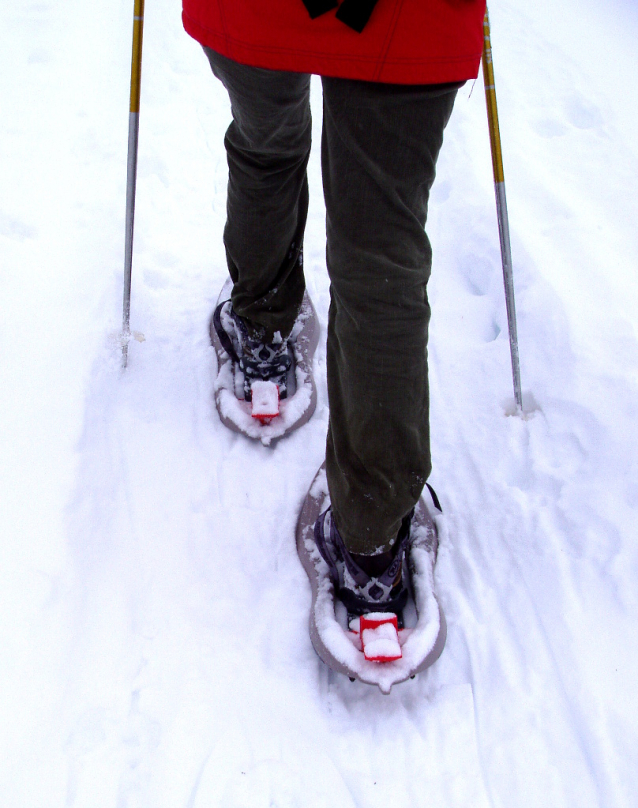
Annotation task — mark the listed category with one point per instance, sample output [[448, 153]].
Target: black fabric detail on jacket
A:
[[353, 13], [318, 7], [356, 13]]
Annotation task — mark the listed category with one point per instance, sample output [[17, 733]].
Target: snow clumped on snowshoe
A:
[[339, 585], [245, 362]]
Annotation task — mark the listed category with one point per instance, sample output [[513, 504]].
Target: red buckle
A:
[[265, 401], [379, 634]]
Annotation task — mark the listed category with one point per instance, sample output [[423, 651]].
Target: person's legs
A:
[[268, 144], [379, 148]]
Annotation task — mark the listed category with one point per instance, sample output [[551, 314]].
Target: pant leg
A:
[[267, 145], [379, 149]]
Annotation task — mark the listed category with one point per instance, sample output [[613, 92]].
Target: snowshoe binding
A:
[[378, 628], [263, 390]]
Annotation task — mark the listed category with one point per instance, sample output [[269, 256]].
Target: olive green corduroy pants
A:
[[379, 148]]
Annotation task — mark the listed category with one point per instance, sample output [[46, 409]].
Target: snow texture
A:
[[265, 399], [153, 644], [380, 638]]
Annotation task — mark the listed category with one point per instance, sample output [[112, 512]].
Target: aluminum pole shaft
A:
[[501, 207], [131, 171]]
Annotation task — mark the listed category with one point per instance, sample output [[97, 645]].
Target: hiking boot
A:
[[258, 359], [365, 584]]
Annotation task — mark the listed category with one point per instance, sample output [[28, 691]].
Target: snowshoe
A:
[[263, 390], [380, 629]]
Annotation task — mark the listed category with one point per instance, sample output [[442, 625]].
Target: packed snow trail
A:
[[154, 648]]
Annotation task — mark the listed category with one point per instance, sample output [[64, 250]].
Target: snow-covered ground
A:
[[153, 642]]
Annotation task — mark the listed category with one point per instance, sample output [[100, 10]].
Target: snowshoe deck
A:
[[423, 638], [296, 409]]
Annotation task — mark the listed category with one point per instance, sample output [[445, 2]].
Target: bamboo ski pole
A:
[[131, 170], [501, 207]]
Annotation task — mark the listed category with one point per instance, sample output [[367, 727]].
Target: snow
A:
[[380, 648], [153, 647], [380, 637], [265, 399], [241, 412]]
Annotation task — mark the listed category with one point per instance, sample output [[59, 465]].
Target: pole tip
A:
[[125, 338]]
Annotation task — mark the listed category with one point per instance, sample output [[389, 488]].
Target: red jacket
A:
[[404, 42]]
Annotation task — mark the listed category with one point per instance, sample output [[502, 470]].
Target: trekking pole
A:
[[131, 170], [501, 206]]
